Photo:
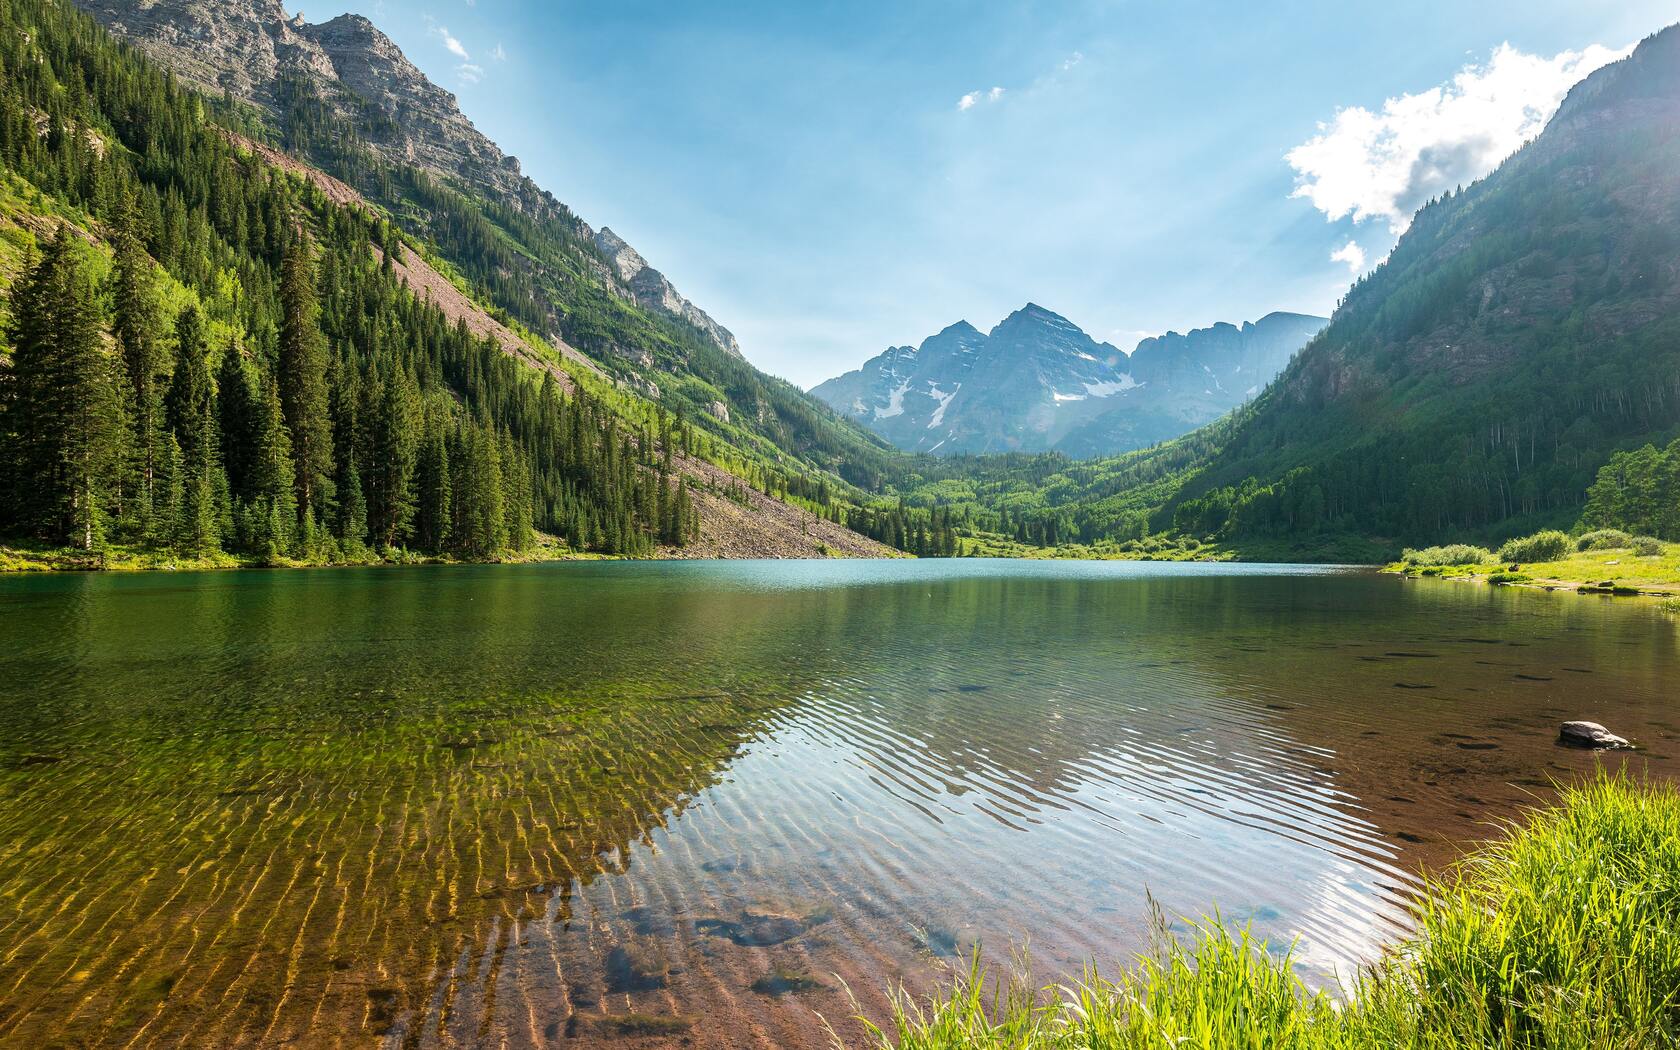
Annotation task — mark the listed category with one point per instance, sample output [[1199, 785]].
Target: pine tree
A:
[[136, 323], [238, 410], [63, 407], [273, 506], [389, 446], [190, 409], [434, 490], [302, 375]]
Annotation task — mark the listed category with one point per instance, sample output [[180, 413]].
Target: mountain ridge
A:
[[1522, 330], [251, 49], [1038, 382]]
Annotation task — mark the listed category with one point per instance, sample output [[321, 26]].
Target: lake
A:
[[690, 804]]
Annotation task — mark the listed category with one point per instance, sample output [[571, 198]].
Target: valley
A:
[[1300, 681]]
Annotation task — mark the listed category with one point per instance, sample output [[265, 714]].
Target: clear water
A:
[[680, 804]]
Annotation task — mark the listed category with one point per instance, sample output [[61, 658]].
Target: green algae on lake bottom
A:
[[518, 803]]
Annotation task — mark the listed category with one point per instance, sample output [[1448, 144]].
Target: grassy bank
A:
[[1565, 936], [125, 558], [1652, 567]]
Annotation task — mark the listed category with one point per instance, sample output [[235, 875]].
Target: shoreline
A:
[[1550, 928], [1609, 574]]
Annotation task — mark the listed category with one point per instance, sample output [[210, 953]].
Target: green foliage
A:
[[430, 437], [62, 403], [1603, 539], [1546, 545], [1465, 386], [1566, 936], [535, 261], [1450, 554], [1637, 489], [1646, 546]]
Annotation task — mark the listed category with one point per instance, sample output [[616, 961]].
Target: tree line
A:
[[208, 355], [1637, 491]]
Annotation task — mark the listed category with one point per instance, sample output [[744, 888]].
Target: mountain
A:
[[652, 290], [1522, 330], [247, 357], [1038, 382], [254, 52], [338, 101]]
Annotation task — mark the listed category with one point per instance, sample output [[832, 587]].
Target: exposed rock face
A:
[[650, 289], [255, 52], [250, 48], [1037, 382]]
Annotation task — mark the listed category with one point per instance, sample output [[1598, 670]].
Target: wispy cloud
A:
[[974, 98], [451, 43], [1386, 164], [497, 54], [1352, 255]]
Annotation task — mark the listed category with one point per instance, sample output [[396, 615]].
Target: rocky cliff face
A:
[[650, 288], [254, 51], [1038, 382]]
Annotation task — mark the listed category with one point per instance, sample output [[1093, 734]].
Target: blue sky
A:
[[829, 178]]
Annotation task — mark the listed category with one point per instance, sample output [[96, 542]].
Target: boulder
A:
[[1590, 735]]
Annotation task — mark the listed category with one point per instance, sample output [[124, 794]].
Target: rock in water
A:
[[1590, 735]]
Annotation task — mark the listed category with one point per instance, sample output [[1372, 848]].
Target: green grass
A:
[[1644, 565], [119, 557], [1564, 936]]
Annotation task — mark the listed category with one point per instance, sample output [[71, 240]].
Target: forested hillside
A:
[[341, 96], [206, 354], [1524, 329], [1524, 333]]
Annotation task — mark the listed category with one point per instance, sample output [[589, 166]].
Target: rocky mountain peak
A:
[[1037, 381], [252, 48]]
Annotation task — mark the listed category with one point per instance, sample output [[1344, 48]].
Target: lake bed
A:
[[647, 803]]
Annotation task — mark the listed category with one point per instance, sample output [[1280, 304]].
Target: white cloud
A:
[[498, 54], [973, 98], [451, 43], [1385, 165], [469, 73], [1072, 60], [1351, 254]]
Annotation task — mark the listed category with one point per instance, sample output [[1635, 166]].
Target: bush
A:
[[1548, 545], [1509, 577], [1646, 546], [1603, 539], [1451, 554]]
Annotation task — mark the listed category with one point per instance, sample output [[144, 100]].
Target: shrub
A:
[[1509, 577], [1451, 554], [1646, 546], [1547, 545], [1602, 539]]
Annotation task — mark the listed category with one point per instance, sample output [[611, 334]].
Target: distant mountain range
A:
[[1037, 382]]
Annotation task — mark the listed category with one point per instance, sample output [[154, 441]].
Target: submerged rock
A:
[[1590, 735], [636, 968], [783, 982], [762, 929]]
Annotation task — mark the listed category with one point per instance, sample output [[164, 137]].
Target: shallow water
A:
[[651, 804]]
